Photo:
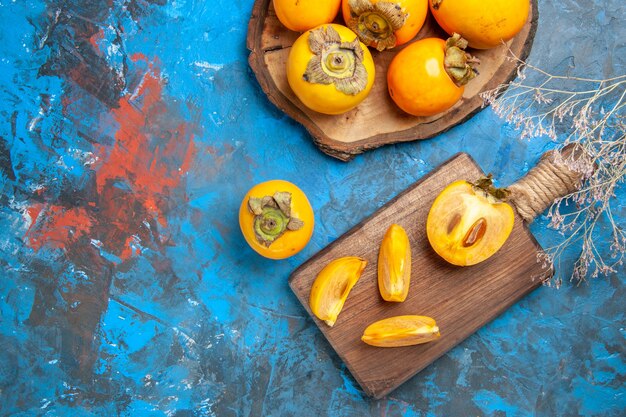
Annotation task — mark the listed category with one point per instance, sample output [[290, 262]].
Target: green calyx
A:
[[485, 186], [270, 225], [376, 24], [338, 62], [458, 63], [335, 62], [272, 217]]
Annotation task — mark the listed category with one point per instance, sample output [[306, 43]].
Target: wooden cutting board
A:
[[460, 299]]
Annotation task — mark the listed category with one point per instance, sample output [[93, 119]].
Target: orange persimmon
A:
[[401, 331], [301, 15], [483, 23], [333, 285], [276, 219], [330, 70], [384, 24], [468, 223], [428, 76], [394, 265]]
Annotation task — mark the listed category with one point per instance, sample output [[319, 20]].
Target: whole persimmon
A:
[[428, 76], [330, 70], [384, 24], [484, 23], [276, 219], [301, 15]]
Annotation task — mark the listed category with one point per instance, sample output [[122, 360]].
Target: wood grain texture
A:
[[460, 299], [377, 120]]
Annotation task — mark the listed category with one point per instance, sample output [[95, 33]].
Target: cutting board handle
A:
[[558, 174]]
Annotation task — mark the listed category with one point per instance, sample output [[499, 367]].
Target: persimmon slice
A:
[[467, 224], [332, 286], [401, 331], [394, 265]]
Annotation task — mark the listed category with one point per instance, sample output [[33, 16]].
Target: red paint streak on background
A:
[[152, 151], [142, 163], [128, 251], [95, 39], [57, 226]]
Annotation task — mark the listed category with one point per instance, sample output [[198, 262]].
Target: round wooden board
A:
[[377, 120]]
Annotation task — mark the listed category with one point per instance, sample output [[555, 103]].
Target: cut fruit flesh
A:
[[466, 225], [401, 331], [332, 287], [394, 265]]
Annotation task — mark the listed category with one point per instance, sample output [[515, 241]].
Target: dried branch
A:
[[590, 113]]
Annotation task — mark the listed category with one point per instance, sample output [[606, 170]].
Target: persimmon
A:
[[333, 285], [301, 15], [276, 219], [469, 222], [330, 70], [384, 24], [399, 331], [394, 265], [484, 23], [428, 76]]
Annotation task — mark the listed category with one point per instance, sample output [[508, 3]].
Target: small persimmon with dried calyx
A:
[[401, 331], [484, 23], [429, 75], [276, 219], [329, 70], [394, 265], [469, 222], [301, 15], [385, 24], [333, 285]]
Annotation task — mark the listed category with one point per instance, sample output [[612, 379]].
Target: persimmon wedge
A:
[[468, 223], [401, 331], [333, 285], [394, 265]]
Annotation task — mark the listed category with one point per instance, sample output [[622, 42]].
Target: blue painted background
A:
[[131, 131]]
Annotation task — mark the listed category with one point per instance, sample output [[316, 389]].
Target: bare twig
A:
[[590, 113]]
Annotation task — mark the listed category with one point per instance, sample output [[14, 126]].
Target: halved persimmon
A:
[[468, 222]]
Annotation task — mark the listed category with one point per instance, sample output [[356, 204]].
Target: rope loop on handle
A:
[[552, 178]]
